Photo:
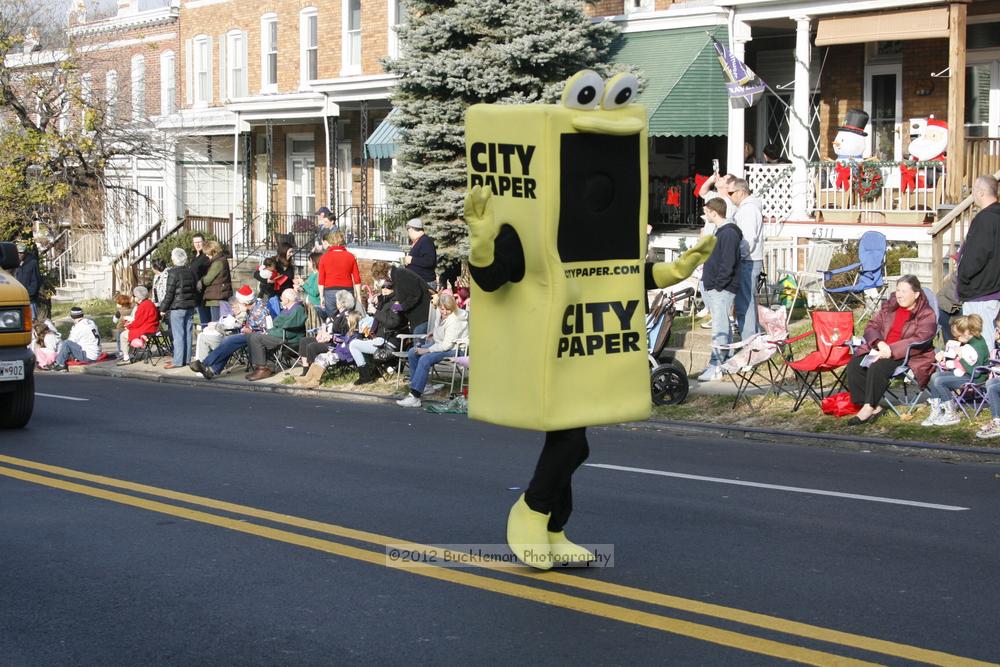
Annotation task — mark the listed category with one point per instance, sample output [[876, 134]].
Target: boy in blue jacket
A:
[[721, 277]]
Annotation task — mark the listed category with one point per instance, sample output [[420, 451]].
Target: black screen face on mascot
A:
[[599, 197]]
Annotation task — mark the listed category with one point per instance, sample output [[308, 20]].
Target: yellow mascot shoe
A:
[[565, 552], [528, 535]]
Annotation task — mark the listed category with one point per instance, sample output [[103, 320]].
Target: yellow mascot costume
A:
[[557, 210]]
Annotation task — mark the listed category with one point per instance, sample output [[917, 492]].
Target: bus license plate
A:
[[11, 370]]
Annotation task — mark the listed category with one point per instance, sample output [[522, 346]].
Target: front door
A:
[[884, 103]]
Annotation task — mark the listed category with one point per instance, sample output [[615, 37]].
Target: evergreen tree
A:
[[455, 53]]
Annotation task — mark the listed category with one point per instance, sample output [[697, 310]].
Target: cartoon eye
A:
[[621, 89], [583, 90]]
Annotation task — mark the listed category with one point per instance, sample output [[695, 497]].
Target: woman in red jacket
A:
[[904, 319], [145, 321]]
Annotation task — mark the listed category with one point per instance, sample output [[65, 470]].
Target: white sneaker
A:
[[932, 418], [711, 374], [707, 324], [702, 313], [948, 417], [410, 401], [991, 430]]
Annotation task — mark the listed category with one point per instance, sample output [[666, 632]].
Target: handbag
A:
[[839, 405]]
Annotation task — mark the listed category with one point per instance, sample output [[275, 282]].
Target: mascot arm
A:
[[665, 274], [496, 256]]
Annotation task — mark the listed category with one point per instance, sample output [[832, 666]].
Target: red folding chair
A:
[[833, 330]]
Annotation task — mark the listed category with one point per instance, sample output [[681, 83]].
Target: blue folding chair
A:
[[870, 276]]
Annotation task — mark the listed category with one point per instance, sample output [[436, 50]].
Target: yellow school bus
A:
[[17, 363]]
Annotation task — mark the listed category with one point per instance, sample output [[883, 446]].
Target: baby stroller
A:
[[668, 377]]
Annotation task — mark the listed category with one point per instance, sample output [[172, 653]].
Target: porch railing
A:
[[72, 247], [221, 228], [982, 156], [904, 187], [373, 225], [131, 262]]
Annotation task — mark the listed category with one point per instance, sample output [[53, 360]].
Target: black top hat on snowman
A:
[[857, 121]]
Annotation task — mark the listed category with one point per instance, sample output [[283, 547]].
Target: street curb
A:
[[677, 426], [221, 383], [805, 437]]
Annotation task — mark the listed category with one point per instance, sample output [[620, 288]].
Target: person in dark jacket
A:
[[217, 284], [412, 295], [904, 319], [721, 278], [28, 275], [179, 302], [199, 266], [978, 268], [422, 257]]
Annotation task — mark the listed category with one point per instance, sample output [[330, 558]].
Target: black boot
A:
[[366, 375]]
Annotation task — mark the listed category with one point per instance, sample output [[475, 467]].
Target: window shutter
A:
[[188, 72], [245, 83], [223, 74], [208, 66]]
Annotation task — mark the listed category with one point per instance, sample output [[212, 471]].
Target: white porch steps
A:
[[91, 280]]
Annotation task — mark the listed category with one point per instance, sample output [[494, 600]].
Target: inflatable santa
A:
[[928, 144]]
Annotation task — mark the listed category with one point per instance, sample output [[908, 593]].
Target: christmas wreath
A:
[[867, 182]]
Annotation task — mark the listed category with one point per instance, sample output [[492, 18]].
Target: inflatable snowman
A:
[[849, 145]]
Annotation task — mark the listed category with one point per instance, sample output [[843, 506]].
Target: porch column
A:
[[734, 153], [956, 101], [798, 128]]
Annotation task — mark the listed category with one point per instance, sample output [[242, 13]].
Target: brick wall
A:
[[115, 50], [605, 8], [217, 20], [842, 87]]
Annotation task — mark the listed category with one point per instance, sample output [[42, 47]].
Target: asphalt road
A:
[[153, 524]]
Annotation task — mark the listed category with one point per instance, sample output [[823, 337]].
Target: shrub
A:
[[181, 239], [303, 226]]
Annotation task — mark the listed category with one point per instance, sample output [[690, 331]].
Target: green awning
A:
[[382, 142], [685, 92]]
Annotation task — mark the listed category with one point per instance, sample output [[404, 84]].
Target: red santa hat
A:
[[937, 122], [245, 295]]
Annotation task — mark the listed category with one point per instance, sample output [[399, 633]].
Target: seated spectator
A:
[[992, 427], [312, 346], [452, 326], [256, 319], [905, 318], [144, 322], [123, 310], [956, 362], [288, 328], [45, 344], [83, 343], [387, 324], [212, 333]]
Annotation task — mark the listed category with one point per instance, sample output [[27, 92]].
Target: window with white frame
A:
[[202, 66], [301, 174], [168, 83], [635, 6], [352, 36], [86, 100], [138, 87], [206, 175], [110, 94], [309, 41], [269, 53], [397, 17], [236, 56]]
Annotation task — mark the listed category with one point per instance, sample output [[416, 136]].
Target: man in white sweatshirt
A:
[[751, 222], [83, 344]]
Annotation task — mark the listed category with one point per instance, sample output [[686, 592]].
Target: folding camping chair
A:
[[809, 281], [756, 361], [904, 377], [870, 276], [832, 330]]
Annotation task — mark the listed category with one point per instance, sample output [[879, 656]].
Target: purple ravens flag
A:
[[745, 87]]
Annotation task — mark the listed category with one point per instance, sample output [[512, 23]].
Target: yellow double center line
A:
[[533, 593]]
